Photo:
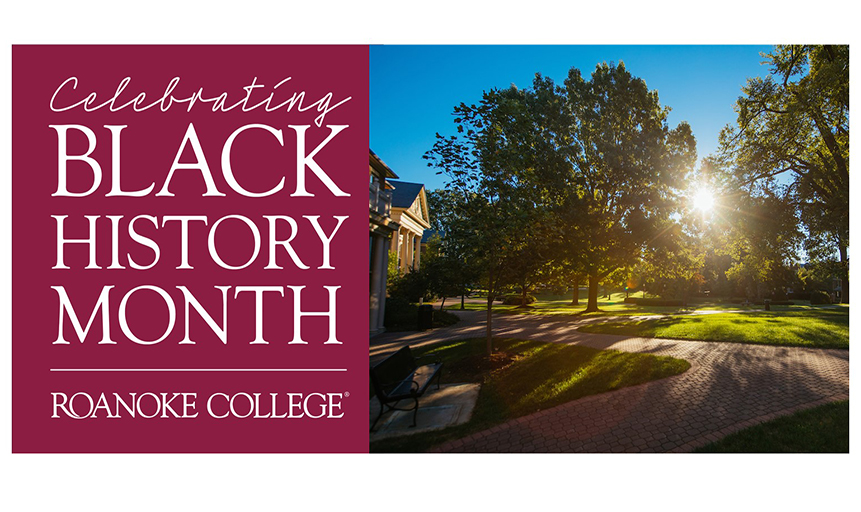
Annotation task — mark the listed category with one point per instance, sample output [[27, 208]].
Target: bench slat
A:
[[422, 377]]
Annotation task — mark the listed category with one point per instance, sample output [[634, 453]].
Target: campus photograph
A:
[[604, 249]]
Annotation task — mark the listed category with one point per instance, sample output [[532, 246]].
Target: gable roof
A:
[[381, 167], [405, 193]]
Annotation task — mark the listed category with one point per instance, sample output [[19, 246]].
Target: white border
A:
[[534, 482]]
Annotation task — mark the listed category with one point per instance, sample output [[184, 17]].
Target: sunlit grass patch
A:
[[807, 327], [614, 305]]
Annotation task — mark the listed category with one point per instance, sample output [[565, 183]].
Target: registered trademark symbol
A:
[[346, 393]]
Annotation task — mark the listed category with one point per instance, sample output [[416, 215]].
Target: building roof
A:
[[381, 166], [405, 193]]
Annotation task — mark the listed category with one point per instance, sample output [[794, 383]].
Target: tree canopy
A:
[[792, 141], [626, 167], [592, 163], [587, 178]]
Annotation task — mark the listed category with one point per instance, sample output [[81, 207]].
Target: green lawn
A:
[[824, 429], [526, 376], [789, 325], [615, 305]]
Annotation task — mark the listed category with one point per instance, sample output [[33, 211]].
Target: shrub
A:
[[399, 312], [401, 315], [444, 318], [517, 300], [820, 297], [799, 295], [410, 287]]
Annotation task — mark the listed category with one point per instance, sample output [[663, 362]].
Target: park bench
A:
[[398, 377]]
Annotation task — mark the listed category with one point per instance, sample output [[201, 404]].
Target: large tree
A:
[[795, 123], [626, 167], [489, 166], [597, 156]]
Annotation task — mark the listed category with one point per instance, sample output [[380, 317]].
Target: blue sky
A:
[[414, 88]]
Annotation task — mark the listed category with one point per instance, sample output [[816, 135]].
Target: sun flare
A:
[[703, 200]]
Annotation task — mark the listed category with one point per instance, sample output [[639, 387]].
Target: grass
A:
[[824, 429], [787, 325], [615, 305], [526, 376]]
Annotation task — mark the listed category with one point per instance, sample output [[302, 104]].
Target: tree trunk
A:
[[844, 279], [462, 300], [490, 293], [522, 296], [442, 303], [592, 304], [489, 324], [575, 300]]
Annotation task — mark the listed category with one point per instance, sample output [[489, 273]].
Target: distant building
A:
[[410, 211], [382, 229]]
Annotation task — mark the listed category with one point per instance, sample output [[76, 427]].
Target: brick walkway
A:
[[729, 387]]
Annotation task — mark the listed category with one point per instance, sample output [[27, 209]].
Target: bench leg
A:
[[415, 412], [374, 424]]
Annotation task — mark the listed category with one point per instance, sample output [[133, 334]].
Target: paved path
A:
[[729, 387]]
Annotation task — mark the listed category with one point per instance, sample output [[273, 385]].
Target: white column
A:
[[384, 275], [404, 250], [418, 250], [411, 245], [376, 295]]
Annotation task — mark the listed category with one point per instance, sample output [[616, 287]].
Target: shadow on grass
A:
[[823, 429], [526, 376]]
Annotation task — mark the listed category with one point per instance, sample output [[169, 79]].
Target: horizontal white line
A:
[[198, 369]]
